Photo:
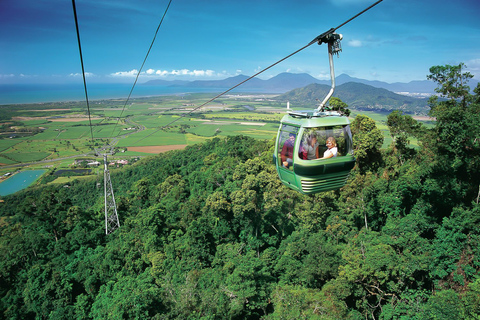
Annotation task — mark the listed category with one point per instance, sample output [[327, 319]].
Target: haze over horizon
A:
[[396, 41]]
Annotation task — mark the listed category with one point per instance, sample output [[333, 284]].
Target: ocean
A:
[[38, 93]]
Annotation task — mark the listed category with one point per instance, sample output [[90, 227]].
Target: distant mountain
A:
[[281, 83], [227, 83], [417, 86], [287, 81], [358, 96], [284, 82]]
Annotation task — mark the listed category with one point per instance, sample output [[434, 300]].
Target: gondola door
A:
[[286, 148]]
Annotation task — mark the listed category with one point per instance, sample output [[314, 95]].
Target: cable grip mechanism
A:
[[335, 46]]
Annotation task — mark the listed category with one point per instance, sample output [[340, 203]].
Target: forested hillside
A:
[[211, 233], [358, 96]]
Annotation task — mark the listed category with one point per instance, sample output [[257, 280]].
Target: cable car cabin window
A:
[[286, 145], [325, 142]]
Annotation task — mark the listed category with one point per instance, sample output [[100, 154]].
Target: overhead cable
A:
[[83, 69], [144, 60], [319, 39]]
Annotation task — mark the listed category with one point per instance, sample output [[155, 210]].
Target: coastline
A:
[[11, 94]]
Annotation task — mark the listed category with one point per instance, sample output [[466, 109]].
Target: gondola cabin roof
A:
[[313, 120]]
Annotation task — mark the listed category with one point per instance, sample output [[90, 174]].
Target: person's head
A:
[[312, 139], [291, 136], [331, 142]]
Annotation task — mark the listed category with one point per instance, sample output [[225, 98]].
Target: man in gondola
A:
[[287, 151]]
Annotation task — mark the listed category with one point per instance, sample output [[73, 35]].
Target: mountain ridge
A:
[[286, 81], [358, 96]]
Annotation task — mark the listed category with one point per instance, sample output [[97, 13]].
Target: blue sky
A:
[[396, 41]]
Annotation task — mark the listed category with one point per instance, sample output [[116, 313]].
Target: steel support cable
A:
[[319, 39], [83, 69], [144, 60]]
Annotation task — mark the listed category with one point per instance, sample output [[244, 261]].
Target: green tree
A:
[[128, 298], [402, 127], [338, 105], [367, 141], [456, 133]]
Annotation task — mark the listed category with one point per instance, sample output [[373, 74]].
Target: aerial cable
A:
[[322, 38], [317, 39], [83, 69], [144, 60]]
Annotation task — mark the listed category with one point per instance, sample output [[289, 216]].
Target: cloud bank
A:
[[166, 73]]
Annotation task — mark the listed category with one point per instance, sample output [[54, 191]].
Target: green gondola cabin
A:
[[312, 175], [314, 150]]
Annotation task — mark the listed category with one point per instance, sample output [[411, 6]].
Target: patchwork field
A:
[[47, 132], [157, 149]]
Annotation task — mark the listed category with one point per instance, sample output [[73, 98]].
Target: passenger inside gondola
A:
[[311, 147], [332, 149], [325, 143], [287, 151]]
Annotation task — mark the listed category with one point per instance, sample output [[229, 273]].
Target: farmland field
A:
[[143, 127]]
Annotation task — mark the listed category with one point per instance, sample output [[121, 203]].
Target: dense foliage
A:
[[210, 232]]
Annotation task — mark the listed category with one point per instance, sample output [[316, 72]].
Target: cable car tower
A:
[[111, 216], [112, 222]]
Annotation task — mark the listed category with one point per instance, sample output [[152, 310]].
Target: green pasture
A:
[[65, 180], [65, 138], [69, 130], [28, 157], [6, 160], [204, 130], [77, 132], [136, 154], [49, 134], [258, 132], [35, 123], [246, 116], [155, 121], [5, 144], [153, 137], [136, 108], [194, 139], [53, 148], [230, 128], [108, 130]]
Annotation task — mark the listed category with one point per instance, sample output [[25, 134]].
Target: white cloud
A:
[[473, 66], [355, 43], [87, 74], [323, 75], [201, 73], [166, 73], [11, 75], [131, 73], [180, 72], [161, 73]]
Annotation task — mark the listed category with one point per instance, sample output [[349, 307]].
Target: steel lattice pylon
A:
[[111, 217]]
